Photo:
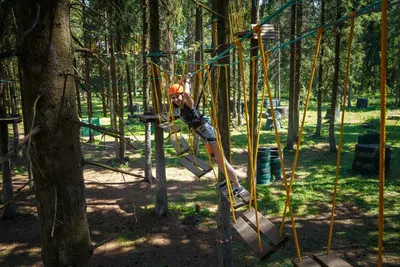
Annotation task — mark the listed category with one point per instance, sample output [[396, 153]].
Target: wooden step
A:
[[270, 230], [251, 238], [170, 127], [331, 260], [241, 199], [305, 262], [181, 146], [321, 259], [199, 162], [195, 169]]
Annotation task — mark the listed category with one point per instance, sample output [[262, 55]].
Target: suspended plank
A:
[[199, 162], [181, 146], [170, 127], [251, 238], [305, 262], [191, 166], [241, 199], [270, 230], [331, 260]]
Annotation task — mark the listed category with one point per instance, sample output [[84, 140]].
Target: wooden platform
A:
[[11, 119], [321, 259], [180, 145], [196, 165], [170, 127], [151, 117], [241, 199], [271, 240]]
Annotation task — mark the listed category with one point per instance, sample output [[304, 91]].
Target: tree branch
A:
[[14, 150], [92, 53], [111, 168]]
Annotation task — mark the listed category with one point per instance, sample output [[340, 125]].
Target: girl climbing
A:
[[180, 97]]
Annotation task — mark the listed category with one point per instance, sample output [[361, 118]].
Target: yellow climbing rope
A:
[[346, 81]]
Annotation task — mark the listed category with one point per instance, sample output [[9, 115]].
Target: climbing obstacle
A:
[[240, 199], [271, 240], [170, 127], [321, 259], [195, 165], [180, 144]]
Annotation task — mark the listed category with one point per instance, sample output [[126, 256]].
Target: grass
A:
[[312, 191]]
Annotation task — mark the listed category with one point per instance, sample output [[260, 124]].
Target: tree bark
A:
[[225, 257], [320, 77], [49, 103], [161, 198], [9, 210], [128, 79], [335, 83], [147, 128], [88, 87], [114, 94], [292, 79], [101, 76]]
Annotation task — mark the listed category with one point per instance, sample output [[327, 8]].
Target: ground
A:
[[126, 232]]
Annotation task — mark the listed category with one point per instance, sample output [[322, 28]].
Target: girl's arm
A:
[[186, 94]]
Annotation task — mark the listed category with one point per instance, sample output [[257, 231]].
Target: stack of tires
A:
[[263, 165], [276, 169]]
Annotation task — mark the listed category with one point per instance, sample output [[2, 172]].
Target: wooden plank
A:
[[181, 146], [394, 117], [270, 230], [199, 162], [170, 127], [239, 201], [11, 119], [305, 262], [251, 238], [331, 260], [192, 168]]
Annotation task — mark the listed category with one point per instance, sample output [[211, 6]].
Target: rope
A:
[[382, 142], [346, 81], [228, 111], [218, 137], [265, 58]]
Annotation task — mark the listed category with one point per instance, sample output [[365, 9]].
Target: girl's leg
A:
[[218, 159]]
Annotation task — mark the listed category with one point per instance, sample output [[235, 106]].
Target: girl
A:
[[180, 97]]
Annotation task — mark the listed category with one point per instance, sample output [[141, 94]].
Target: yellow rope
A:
[[155, 93], [250, 142], [264, 59], [382, 141], [201, 87], [218, 137], [346, 81], [217, 89]]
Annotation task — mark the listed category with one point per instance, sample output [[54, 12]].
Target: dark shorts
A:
[[206, 131]]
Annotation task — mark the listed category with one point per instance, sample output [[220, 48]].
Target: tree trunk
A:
[[292, 86], [134, 79], [297, 85], [77, 91], [225, 257], [147, 146], [86, 43], [161, 198], [49, 98], [320, 77], [14, 103], [128, 80], [198, 58], [101, 76], [120, 111], [9, 208], [332, 142], [114, 94]]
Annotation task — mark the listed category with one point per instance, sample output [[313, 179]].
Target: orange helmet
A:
[[175, 89]]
